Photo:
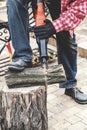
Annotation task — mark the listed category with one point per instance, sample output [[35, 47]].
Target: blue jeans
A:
[[18, 20], [67, 55]]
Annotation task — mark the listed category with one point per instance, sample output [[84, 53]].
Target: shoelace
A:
[[78, 90]]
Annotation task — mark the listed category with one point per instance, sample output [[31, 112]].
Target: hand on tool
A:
[[45, 31]]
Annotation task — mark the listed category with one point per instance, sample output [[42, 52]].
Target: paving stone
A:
[[71, 111], [52, 89], [59, 92], [70, 103], [82, 107], [61, 125], [77, 126], [52, 123], [51, 97], [54, 102], [73, 119], [82, 114], [60, 117], [84, 121]]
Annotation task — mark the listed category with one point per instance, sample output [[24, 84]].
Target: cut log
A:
[[23, 109], [35, 76]]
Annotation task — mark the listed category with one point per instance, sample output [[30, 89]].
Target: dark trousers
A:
[[66, 47]]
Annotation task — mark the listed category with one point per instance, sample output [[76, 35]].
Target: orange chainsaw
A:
[[39, 14]]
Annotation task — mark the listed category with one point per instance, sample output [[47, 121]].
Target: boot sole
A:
[[80, 102], [15, 69]]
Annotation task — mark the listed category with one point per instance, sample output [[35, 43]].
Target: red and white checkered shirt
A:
[[72, 13]]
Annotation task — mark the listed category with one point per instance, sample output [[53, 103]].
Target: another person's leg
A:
[[18, 20], [67, 56]]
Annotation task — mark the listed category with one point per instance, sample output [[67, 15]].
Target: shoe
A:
[[19, 65], [77, 95]]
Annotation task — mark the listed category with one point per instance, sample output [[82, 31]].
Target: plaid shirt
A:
[[72, 13]]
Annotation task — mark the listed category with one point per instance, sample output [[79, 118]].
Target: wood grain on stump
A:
[[23, 109]]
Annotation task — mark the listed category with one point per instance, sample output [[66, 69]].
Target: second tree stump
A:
[[23, 109]]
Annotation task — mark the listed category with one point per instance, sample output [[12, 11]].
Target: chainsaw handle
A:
[[40, 13]]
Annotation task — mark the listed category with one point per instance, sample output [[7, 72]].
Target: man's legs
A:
[[18, 23], [67, 55]]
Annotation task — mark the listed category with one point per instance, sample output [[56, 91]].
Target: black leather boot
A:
[[77, 95], [19, 65]]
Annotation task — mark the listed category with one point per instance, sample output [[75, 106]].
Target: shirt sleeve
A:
[[72, 17]]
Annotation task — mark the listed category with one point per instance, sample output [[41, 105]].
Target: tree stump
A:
[[23, 109]]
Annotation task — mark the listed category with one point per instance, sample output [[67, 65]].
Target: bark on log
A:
[[23, 109], [35, 76]]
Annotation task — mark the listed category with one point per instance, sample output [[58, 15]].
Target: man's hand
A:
[[45, 31]]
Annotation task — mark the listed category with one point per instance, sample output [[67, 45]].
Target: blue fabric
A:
[[67, 55], [18, 20]]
